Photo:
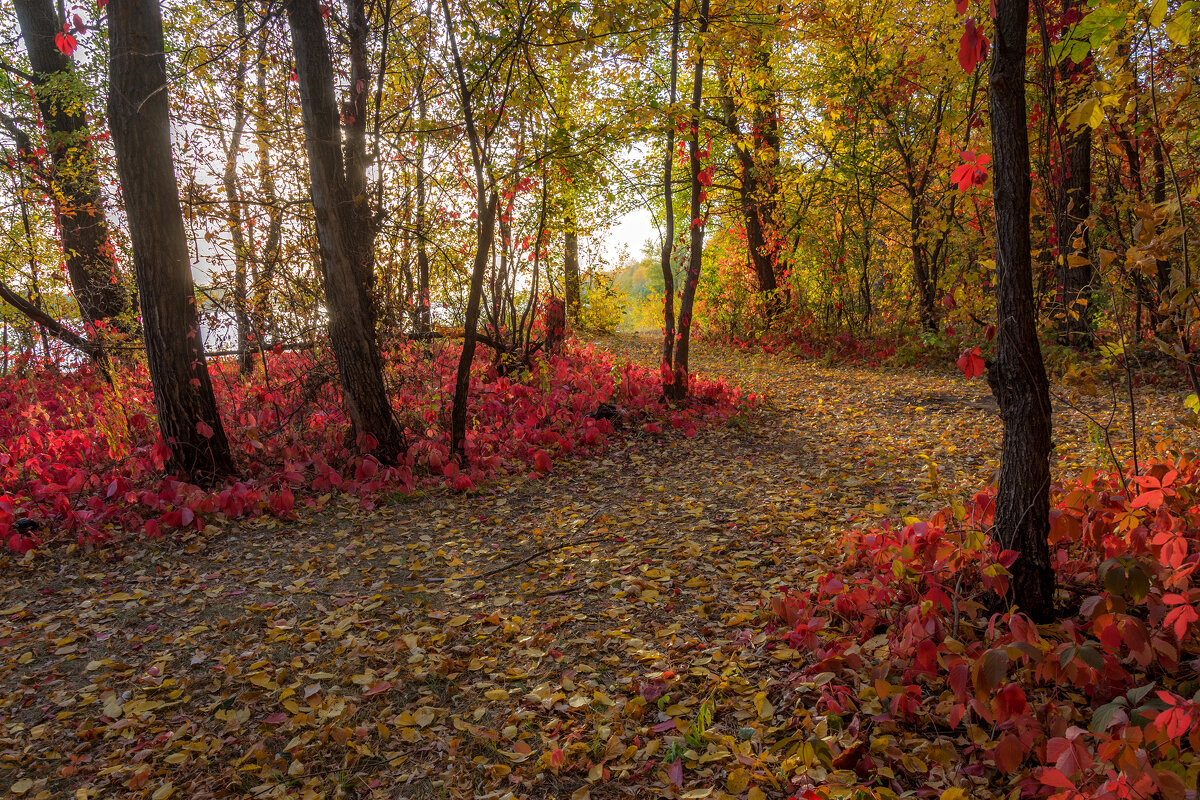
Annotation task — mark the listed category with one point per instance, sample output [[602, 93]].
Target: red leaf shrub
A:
[[84, 458], [1101, 704]]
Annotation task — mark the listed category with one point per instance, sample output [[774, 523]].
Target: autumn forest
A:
[[352, 447]]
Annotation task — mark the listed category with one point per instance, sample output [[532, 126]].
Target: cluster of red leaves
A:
[[85, 459], [1101, 704]]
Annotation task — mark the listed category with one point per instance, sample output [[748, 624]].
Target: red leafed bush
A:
[[1100, 704], [84, 459]]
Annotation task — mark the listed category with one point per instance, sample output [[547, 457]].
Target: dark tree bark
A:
[[1074, 196], [757, 166], [571, 269], [1075, 279], [668, 246], [344, 226], [679, 386], [87, 249], [1018, 375], [1162, 277], [138, 117]]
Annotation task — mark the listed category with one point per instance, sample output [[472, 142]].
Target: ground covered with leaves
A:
[[703, 615]]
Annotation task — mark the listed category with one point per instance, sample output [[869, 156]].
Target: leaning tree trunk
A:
[[138, 116], [486, 204], [87, 249], [344, 232], [1018, 375], [679, 386]]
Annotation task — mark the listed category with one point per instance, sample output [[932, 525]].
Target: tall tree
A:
[[229, 180], [486, 203], [668, 242], [138, 116], [75, 180], [679, 384], [1018, 374], [344, 224]]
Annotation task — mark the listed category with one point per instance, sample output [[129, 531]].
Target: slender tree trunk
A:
[[1075, 280], [234, 216], [87, 249], [571, 269], [679, 387], [343, 229], [668, 247], [486, 204], [138, 116], [269, 255], [424, 311], [1162, 278], [1018, 375]]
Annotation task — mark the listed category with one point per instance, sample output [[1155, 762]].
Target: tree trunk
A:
[[138, 116], [679, 386], [344, 230], [571, 269], [234, 214], [424, 312], [269, 255], [668, 245], [486, 204], [1018, 375], [1075, 280], [87, 249]]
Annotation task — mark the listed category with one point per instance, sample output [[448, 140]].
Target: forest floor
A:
[[604, 631]]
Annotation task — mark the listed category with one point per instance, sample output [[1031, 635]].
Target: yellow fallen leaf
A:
[[496, 694], [954, 794], [164, 791], [737, 781], [22, 786], [459, 621], [696, 794]]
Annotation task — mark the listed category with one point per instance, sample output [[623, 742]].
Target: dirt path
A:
[[537, 638]]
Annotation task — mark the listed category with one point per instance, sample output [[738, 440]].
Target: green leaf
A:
[[1158, 12]]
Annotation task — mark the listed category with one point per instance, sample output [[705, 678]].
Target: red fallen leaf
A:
[[378, 688], [204, 429], [541, 461], [961, 6], [100, 4], [653, 690], [675, 772], [557, 757], [278, 718], [989, 332], [66, 43], [663, 727], [970, 361]]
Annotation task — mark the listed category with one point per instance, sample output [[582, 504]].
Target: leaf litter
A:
[[605, 631]]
